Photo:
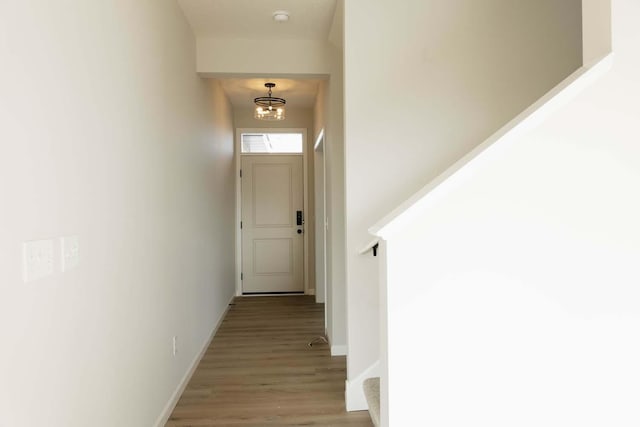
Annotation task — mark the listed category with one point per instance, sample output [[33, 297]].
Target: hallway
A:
[[259, 371]]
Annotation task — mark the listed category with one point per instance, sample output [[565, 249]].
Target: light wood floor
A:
[[259, 371]]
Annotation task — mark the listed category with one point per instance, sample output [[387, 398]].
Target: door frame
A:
[[320, 197], [309, 224]]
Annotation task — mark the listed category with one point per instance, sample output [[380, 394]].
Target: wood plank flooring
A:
[[259, 371]]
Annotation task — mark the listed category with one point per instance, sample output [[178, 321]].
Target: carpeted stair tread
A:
[[372, 393]]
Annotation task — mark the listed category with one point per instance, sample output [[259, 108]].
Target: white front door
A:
[[272, 240]]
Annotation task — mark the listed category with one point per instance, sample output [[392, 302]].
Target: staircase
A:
[[372, 393]]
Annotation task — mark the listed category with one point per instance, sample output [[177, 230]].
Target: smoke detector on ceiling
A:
[[281, 16]]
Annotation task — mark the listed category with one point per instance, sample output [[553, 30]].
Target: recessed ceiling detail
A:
[[298, 92]]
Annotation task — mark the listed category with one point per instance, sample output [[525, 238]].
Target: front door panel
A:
[[272, 242]]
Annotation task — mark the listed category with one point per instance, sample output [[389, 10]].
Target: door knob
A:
[[299, 231]]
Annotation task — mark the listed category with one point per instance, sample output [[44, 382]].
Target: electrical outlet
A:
[[37, 259], [175, 346], [70, 250]]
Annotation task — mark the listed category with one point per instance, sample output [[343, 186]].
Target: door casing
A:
[[320, 198], [309, 223]]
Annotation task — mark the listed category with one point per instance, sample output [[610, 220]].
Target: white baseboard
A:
[[354, 393], [173, 401], [338, 350]]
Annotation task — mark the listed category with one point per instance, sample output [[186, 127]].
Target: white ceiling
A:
[[309, 19], [250, 19], [297, 93]]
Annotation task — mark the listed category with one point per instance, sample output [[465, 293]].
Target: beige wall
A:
[[108, 134], [250, 56], [335, 177], [596, 17], [329, 115], [296, 117], [425, 82]]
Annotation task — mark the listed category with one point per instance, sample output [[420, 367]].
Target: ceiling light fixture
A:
[[281, 16], [269, 107]]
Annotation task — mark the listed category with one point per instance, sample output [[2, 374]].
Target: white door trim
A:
[[320, 191], [308, 223]]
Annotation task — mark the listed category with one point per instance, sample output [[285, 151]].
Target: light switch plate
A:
[[70, 253], [37, 259]]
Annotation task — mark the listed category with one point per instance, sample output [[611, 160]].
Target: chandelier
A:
[[269, 107]]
